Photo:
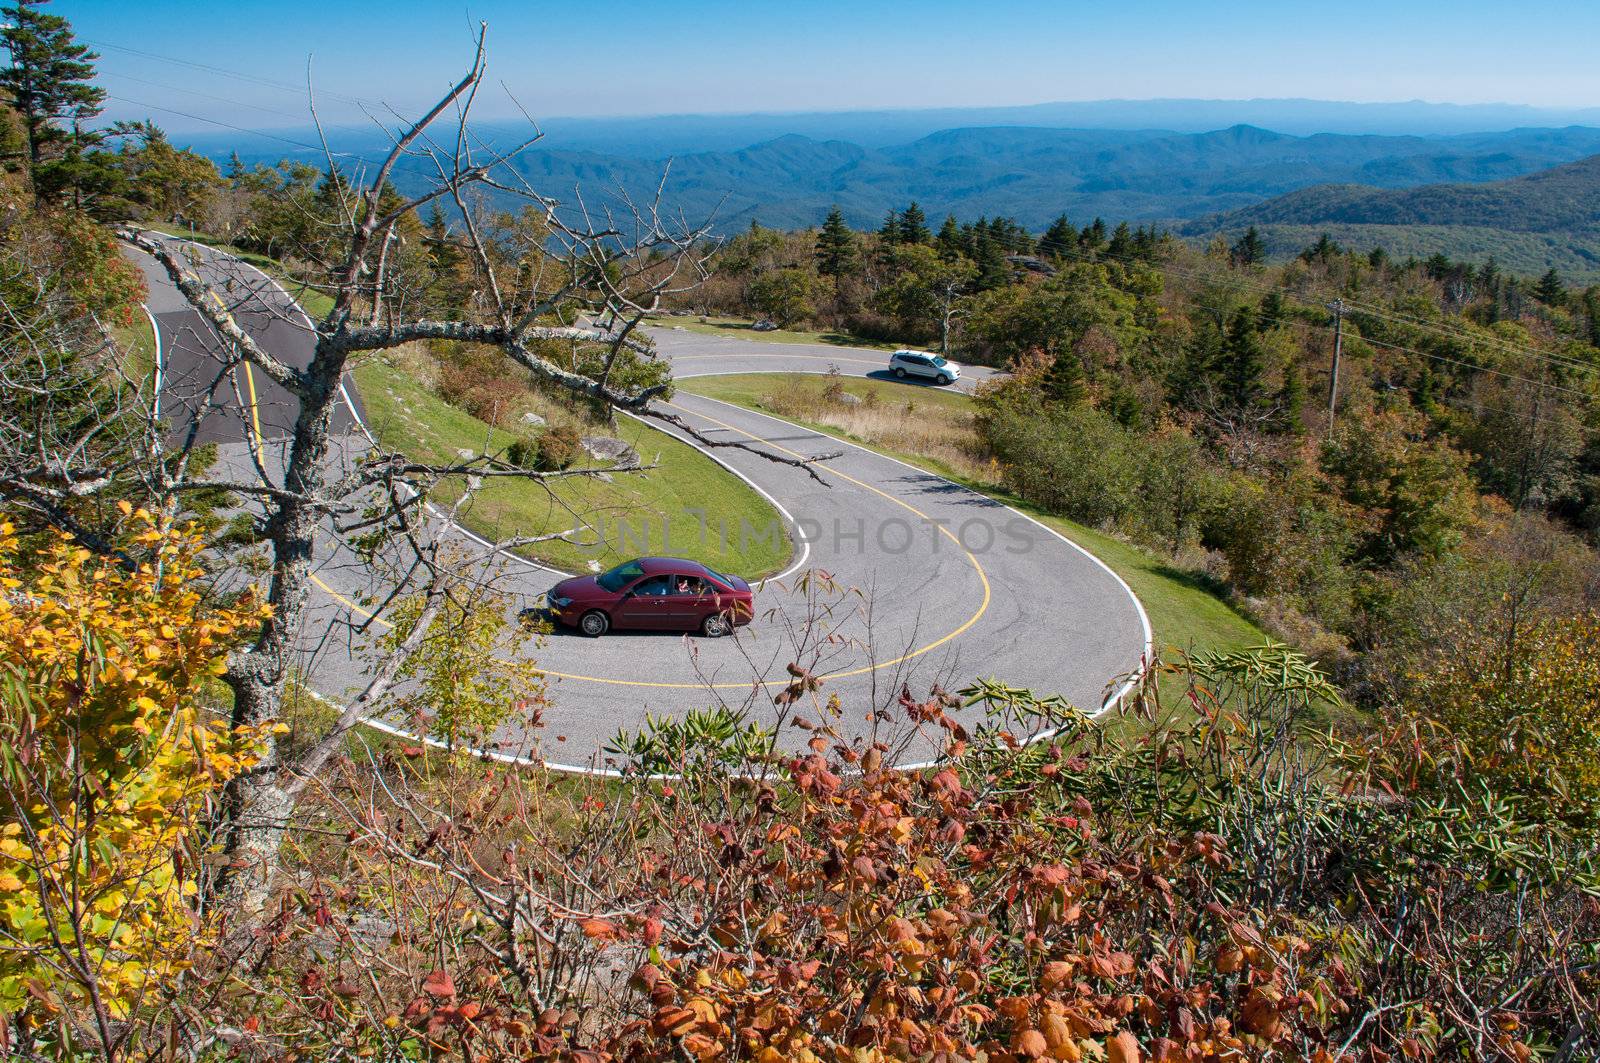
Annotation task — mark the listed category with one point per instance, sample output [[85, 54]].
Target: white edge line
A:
[[805, 545], [366, 430], [155, 400], [506, 758], [1144, 619]]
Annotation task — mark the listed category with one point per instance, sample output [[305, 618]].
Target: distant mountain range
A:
[[1530, 223], [1198, 181], [1034, 174], [657, 136]]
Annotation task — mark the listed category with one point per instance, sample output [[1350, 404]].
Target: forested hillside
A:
[[1550, 218], [1028, 173], [1182, 399]]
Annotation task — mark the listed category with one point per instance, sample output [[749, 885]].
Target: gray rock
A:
[[463, 452], [533, 419], [850, 400], [605, 448]]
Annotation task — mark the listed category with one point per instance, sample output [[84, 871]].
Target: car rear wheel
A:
[[899, 372], [943, 379], [715, 626], [594, 623]]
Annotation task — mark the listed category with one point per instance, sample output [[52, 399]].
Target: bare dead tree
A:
[[576, 276]]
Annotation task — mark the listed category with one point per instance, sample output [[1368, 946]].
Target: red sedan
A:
[[653, 594]]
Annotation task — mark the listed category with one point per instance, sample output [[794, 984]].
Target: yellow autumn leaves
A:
[[109, 765]]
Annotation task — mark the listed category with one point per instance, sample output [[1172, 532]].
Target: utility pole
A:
[[1337, 307]]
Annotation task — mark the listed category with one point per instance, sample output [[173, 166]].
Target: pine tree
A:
[[993, 269], [1249, 249], [1121, 245], [1291, 400], [1323, 251], [236, 169], [1093, 238], [890, 233], [1591, 313], [1271, 315], [1063, 383], [1378, 259], [1550, 290], [50, 85], [1060, 240], [1243, 363], [949, 241], [914, 226], [836, 246]]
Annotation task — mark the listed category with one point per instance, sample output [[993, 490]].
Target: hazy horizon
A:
[[618, 60]]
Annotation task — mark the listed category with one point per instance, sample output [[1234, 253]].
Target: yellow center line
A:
[[983, 577]]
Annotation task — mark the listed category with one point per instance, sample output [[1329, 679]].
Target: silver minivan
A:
[[921, 363]]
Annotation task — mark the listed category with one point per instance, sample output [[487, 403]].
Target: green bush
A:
[[523, 453]]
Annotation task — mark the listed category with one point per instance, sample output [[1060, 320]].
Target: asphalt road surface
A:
[[926, 582]]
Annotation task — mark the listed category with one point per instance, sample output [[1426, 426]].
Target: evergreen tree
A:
[[1271, 315], [236, 169], [1489, 276], [1550, 290], [914, 226], [890, 233], [50, 85], [993, 269], [1243, 363], [1064, 383], [1121, 245], [1591, 313], [1378, 259], [1323, 251], [1249, 249], [1291, 400], [836, 246], [1060, 240], [1125, 406], [950, 243], [1093, 238]]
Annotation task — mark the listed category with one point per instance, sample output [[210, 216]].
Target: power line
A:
[[1466, 337], [236, 128], [202, 95], [237, 75], [1081, 256]]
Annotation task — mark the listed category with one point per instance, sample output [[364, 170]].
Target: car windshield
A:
[[719, 577], [618, 577], [940, 362]]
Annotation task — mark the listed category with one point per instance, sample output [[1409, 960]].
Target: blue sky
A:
[[610, 57]]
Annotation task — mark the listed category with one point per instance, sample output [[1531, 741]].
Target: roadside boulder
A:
[[607, 448]]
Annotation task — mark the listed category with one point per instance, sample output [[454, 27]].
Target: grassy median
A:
[[653, 511]]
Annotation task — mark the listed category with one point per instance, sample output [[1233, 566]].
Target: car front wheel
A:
[[715, 626], [594, 623]]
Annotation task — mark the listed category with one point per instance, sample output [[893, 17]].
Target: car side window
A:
[[688, 585], [654, 587]]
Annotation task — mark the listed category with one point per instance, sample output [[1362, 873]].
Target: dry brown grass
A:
[[934, 426]]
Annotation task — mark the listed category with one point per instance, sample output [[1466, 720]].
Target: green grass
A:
[[137, 341], [730, 326], [636, 513], [632, 515], [1185, 612]]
